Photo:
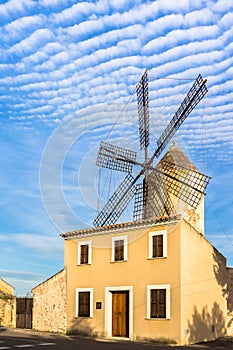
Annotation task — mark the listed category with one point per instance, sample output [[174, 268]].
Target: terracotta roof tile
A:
[[126, 225]]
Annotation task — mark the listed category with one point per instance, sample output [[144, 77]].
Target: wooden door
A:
[[24, 312], [120, 314]]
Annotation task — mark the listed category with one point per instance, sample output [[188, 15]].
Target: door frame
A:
[[108, 308]]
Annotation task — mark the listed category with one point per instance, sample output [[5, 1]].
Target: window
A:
[[84, 302], [84, 253], [157, 249], [119, 248], [158, 301], [158, 244]]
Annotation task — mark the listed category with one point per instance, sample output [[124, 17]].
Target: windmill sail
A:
[[194, 96], [185, 184], [116, 158], [117, 203], [142, 90], [138, 202], [159, 202]]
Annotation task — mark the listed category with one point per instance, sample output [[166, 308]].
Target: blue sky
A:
[[68, 70]]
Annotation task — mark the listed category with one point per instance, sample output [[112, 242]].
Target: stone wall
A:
[[7, 310], [7, 305], [230, 301], [49, 304]]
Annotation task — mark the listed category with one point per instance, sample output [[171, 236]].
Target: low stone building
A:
[[49, 304], [7, 305]]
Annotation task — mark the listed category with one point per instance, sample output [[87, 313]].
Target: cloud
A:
[[20, 274], [200, 17], [170, 6], [176, 37], [40, 243], [76, 12], [16, 28], [30, 44], [222, 6], [13, 7], [22, 280]]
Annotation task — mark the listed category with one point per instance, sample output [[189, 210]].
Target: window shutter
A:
[[153, 304], [158, 303], [84, 304], [158, 246], [162, 303], [119, 250], [84, 254]]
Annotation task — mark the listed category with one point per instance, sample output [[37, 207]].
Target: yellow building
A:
[[146, 280]]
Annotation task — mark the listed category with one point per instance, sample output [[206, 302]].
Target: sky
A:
[[68, 71]]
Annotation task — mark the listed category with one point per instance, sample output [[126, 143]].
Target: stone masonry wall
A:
[[230, 301], [49, 304], [7, 310], [7, 305]]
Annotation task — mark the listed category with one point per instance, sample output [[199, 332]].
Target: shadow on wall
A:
[[225, 280], [80, 326], [230, 298], [207, 325]]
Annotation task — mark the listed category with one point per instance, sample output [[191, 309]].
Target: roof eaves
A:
[[120, 227]]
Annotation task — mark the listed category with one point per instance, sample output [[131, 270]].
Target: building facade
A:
[[150, 280]]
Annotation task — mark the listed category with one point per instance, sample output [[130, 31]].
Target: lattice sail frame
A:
[[158, 202], [117, 203], [186, 184], [138, 202], [115, 158], [142, 90], [194, 96]]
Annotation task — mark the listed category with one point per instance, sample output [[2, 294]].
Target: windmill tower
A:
[[155, 189]]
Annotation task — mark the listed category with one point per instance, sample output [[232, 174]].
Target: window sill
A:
[[83, 317], [157, 319], [157, 258], [118, 261], [88, 264]]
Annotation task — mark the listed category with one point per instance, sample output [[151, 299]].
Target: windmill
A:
[[174, 175]]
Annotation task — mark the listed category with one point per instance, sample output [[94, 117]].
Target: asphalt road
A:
[[26, 340]]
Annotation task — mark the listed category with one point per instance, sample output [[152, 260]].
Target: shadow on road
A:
[[2, 329], [15, 336]]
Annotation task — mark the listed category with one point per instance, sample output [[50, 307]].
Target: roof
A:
[[176, 156], [6, 284], [92, 231]]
